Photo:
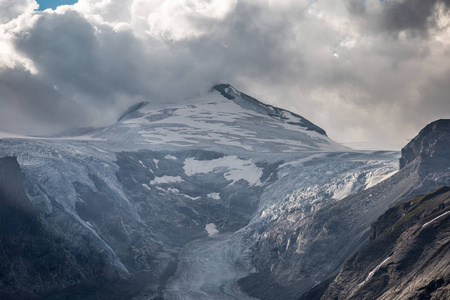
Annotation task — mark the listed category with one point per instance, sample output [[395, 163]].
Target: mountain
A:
[[248, 102], [407, 257], [302, 248], [175, 194], [412, 236], [35, 256]]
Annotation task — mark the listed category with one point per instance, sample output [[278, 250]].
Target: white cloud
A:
[[185, 19], [9, 10], [347, 65], [15, 18]]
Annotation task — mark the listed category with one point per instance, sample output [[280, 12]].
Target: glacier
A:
[[145, 189]]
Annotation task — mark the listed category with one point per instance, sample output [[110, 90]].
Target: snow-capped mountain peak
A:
[[248, 102], [221, 119]]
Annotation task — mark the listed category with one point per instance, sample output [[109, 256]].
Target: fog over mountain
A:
[[370, 70]]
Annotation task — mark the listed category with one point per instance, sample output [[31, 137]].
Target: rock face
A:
[[407, 257], [430, 147], [303, 248], [34, 259]]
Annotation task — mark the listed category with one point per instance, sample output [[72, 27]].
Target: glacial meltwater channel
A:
[[207, 271]]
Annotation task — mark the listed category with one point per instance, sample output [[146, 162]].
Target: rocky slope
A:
[[407, 257], [36, 259], [141, 189], [301, 248], [429, 148]]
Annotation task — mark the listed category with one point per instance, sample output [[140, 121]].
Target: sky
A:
[[366, 71], [44, 4]]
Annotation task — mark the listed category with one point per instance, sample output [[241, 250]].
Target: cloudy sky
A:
[[364, 70]]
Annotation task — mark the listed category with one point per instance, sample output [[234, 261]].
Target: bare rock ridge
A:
[[230, 93], [428, 156], [131, 111], [432, 143], [407, 257], [430, 147]]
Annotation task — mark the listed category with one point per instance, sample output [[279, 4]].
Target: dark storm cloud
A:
[[69, 54], [77, 67], [100, 70], [356, 7], [409, 15], [32, 106], [414, 16]]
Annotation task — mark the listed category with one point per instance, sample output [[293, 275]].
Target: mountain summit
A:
[[430, 147], [247, 102], [222, 119]]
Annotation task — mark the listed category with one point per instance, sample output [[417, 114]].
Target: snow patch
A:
[[377, 177], [166, 179], [100, 150], [173, 190], [142, 164], [156, 161], [211, 229], [234, 168], [369, 276], [190, 197], [215, 196], [376, 269], [438, 217], [161, 189]]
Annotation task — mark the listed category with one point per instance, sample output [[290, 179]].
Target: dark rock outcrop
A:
[[407, 257], [431, 147], [35, 260]]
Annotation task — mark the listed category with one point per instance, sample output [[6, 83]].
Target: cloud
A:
[[27, 101], [412, 15], [9, 10], [362, 70]]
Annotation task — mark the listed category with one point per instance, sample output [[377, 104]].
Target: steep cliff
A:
[[36, 259], [407, 257]]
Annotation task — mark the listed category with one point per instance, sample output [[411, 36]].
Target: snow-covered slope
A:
[[163, 174], [214, 122]]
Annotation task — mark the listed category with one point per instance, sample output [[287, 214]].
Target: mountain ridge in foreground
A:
[[407, 257]]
